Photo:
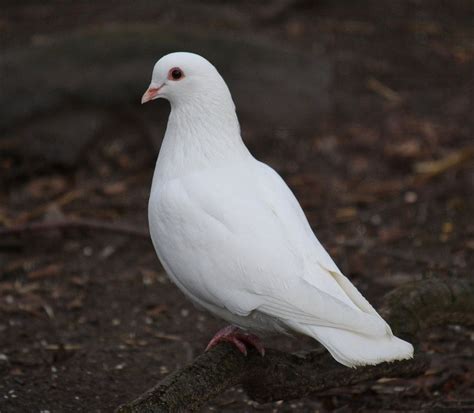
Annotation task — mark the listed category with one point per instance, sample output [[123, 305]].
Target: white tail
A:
[[353, 349]]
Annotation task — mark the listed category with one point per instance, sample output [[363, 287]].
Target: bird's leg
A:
[[237, 337]]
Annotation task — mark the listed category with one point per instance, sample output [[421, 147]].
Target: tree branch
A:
[[409, 310]]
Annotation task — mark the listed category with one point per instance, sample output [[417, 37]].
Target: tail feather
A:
[[353, 349]]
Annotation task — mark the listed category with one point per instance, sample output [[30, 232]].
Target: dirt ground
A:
[[379, 152]]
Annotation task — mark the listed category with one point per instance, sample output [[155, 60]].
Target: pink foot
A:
[[237, 337]]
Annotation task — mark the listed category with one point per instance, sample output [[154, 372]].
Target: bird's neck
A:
[[200, 135]]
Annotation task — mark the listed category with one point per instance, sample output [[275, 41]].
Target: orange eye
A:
[[175, 74]]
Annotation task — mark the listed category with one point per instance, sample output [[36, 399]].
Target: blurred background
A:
[[365, 108]]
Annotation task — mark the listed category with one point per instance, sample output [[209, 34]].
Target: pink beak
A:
[[150, 94]]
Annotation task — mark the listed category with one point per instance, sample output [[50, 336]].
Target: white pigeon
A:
[[232, 236]]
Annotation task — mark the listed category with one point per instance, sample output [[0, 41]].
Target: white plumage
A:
[[232, 236]]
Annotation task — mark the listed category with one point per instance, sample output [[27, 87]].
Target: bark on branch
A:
[[409, 309]]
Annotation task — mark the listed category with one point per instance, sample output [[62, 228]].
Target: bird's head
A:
[[181, 76]]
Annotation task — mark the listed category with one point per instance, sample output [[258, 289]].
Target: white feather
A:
[[235, 240]]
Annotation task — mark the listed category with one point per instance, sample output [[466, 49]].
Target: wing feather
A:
[[250, 248]]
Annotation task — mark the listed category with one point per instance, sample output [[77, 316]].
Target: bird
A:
[[234, 239]]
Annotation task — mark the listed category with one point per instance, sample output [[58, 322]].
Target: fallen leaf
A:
[[46, 187], [345, 214], [156, 311], [115, 188], [45, 272], [378, 87], [453, 160]]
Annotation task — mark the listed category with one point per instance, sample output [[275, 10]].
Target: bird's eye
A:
[[175, 74]]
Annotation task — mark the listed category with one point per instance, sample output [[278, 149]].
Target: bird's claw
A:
[[237, 337]]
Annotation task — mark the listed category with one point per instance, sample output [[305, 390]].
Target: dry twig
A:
[[73, 223]]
